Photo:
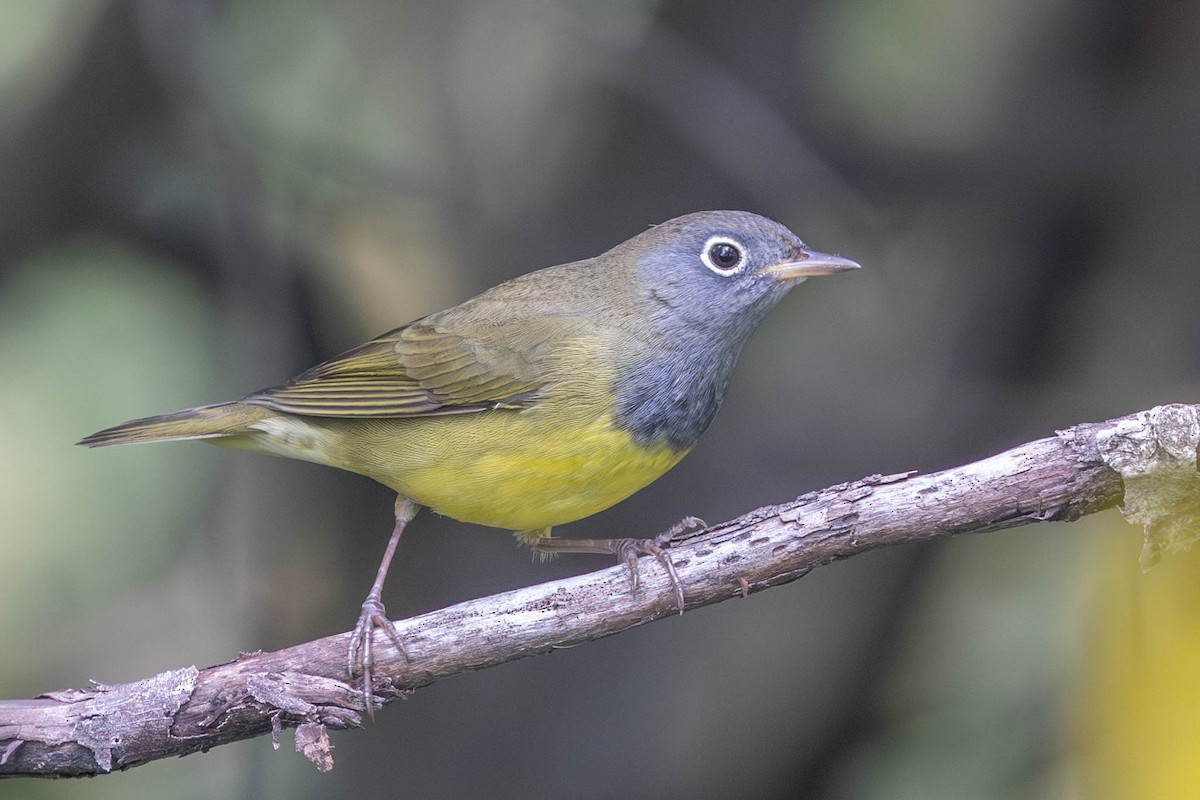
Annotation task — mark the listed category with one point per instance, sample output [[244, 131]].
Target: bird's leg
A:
[[626, 550], [360, 657]]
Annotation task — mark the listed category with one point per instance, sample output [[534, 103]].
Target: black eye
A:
[[723, 256]]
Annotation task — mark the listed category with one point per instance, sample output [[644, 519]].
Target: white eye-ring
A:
[[723, 255]]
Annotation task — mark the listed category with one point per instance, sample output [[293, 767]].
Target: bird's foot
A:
[[688, 524], [629, 550], [361, 657]]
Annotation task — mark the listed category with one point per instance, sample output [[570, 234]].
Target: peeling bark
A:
[[1080, 471]]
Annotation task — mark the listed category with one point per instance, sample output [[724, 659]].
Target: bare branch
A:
[[1081, 470]]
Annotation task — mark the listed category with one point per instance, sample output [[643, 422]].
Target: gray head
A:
[[708, 280], [720, 272]]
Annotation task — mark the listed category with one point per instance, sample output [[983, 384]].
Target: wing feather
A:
[[416, 370]]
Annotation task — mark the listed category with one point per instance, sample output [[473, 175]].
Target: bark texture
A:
[[1079, 471]]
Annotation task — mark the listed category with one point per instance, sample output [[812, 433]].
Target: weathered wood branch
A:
[[1146, 461]]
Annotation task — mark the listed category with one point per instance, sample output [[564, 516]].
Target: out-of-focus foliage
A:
[[38, 45], [1136, 704], [930, 75], [201, 199], [137, 335]]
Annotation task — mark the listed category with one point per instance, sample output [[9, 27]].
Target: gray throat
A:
[[672, 399]]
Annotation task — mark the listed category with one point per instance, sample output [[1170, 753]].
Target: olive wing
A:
[[421, 369]]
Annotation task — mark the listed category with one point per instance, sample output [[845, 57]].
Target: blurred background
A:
[[199, 200]]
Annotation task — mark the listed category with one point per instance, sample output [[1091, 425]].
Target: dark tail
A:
[[204, 422]]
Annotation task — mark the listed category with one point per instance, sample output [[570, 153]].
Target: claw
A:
[[360, 657], [688, 524], [628, 550]]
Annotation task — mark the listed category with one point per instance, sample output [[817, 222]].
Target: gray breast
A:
[[671, 399]]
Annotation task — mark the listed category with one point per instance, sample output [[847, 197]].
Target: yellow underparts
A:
[[568, 475], [518, 470]]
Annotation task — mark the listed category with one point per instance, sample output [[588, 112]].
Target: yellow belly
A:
[[505, 469]]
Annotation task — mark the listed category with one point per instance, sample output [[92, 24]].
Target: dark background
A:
[[198, 200]]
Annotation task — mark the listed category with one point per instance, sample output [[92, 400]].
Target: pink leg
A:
[[360, 657], [628, 550]]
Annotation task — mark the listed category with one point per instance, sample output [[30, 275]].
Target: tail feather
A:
[[204, 422]]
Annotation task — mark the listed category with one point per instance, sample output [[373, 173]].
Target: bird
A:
[[541, 401]]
